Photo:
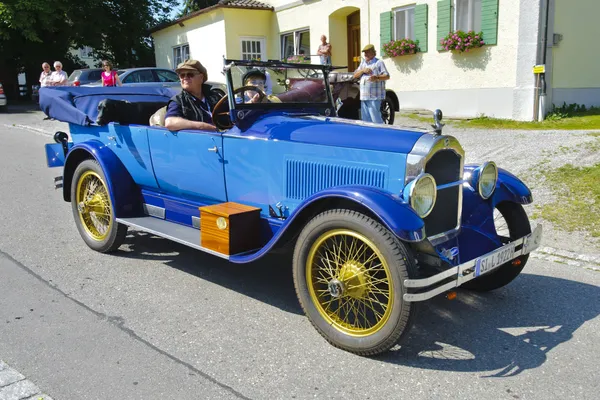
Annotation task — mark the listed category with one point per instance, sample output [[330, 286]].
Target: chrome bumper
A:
[[466, 272]]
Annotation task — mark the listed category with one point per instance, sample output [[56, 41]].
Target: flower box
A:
[[402, 47], [460, 41]]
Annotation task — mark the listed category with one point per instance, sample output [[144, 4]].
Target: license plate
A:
[[495, 259]]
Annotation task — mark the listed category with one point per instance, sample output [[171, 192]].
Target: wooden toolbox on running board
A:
[[229, 228]]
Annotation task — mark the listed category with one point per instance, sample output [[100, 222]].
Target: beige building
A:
[[495, 80]]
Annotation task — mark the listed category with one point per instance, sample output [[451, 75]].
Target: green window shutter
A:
[[444, 8], [489, 21], [385, 29], [421, 26]]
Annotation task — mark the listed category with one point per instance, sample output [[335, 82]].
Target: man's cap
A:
[[192, 65], [368, 47], [254, 72]]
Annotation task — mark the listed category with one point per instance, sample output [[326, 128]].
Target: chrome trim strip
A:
[[196, 222], [466, 272], [154, 211]]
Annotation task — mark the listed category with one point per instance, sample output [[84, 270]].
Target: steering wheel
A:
[[221, 114]]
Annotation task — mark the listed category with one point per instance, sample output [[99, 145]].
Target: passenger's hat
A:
[[192, 65], [368, 47], [254, 72]]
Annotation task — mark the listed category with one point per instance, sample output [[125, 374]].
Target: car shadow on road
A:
[[504, 332], [268, 280], [500, 333]]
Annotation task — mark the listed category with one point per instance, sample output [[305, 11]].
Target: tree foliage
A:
[[34, 31], [195, 5]]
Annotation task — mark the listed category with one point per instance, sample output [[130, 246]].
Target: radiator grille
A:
[[304, 178], [445, 167]]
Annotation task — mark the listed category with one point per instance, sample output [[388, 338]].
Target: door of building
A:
[[353, 41]]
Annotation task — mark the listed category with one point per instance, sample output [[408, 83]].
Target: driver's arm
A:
[[179, 123]]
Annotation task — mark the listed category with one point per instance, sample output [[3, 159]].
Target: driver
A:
[[192, 108], [254, 77]]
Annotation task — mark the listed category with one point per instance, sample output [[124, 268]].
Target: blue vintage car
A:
[[378, 217]]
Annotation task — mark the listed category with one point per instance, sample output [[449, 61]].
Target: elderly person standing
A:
[[45, 75], [372, 74], [192, 108], [58, 77], [324, 51]]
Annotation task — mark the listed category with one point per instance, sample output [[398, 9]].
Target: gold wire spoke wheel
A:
[[349, 282], [93, 205], [501, 226]]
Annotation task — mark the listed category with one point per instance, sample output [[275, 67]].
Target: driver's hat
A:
[[192, 65], [254, 72]]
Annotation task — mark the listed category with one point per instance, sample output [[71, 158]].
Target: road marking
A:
[[14, 386], [29, 128]]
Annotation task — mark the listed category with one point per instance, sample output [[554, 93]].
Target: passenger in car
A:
[[192, 108]]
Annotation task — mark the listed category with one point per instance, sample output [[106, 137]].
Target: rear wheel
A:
[[348, 273], [387, 111], [511, 223], [93, 210]]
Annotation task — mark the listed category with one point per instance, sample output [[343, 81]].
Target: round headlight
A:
[[487, 179], [422, 194]]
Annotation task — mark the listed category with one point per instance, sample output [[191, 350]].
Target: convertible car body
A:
[[379, 217]]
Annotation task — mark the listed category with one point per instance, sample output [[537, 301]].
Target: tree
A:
[[195, 5], [34, 31]]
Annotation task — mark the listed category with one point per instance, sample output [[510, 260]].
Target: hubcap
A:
[[349, 282], [93, 205]]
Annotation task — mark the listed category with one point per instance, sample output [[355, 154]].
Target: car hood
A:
[[333, 132]]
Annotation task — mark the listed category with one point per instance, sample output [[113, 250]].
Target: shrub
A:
[[400, 47], [460, 41]]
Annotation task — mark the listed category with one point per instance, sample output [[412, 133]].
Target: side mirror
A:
[[437, 118]]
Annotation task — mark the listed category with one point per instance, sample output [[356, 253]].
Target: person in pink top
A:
[[109, 77]]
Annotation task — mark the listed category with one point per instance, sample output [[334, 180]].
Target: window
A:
[[85, 52], [295, 43], [142, 76], [95, 75], [180, 54], [404, 23], [166, 76], [253, 49], [467, 15]]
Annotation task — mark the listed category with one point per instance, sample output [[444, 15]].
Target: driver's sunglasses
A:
[[257, 82], [190, 75]]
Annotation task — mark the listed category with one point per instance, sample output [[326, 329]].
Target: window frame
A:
[[470, 16], [263, 44], [181, 48], [403, 9], [296, 35]]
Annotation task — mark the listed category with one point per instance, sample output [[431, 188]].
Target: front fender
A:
[[124, 194], [394, 213]]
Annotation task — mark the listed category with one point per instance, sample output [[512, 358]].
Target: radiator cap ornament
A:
[[437, 118]]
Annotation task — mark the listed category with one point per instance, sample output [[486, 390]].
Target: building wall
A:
[[576, 82], [205, 35], [248, 23]]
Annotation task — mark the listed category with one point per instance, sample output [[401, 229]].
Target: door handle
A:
[[111, 138], [213, 149]]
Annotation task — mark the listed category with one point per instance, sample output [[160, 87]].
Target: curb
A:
[[567, 257]]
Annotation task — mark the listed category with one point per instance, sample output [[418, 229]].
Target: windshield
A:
[[275, 84]]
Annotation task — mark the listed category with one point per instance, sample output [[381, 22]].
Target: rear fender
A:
[[124, 194]]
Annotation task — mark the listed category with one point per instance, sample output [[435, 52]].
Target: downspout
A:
[[368, 21], [540, 113]]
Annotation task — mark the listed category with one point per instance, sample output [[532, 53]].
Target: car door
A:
[[188, 164], [167, 78]]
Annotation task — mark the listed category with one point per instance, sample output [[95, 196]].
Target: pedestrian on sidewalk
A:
[[45, 75], [109, 76], [58, 76], [324, 51], [372, 74]]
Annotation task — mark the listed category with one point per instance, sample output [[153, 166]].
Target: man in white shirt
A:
[[58, 77]]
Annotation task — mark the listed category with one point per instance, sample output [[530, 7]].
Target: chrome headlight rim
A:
[[482, 169], [413, 185]]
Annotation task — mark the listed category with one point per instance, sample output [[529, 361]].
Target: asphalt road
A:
[[158, 320]]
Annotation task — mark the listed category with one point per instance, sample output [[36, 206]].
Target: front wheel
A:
[[93, 210], [511, 223], [348, 273]]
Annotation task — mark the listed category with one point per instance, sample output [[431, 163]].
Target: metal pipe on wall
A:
[[539, 112]]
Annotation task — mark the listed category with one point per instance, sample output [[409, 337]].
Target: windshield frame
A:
[[326, 108]]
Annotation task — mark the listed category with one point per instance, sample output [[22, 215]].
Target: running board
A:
[[169, 230]]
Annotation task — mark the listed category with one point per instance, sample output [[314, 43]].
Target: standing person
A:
[[372, 74], [109, 76], [45, 75], [324, 51], [58, 76], [192, 108]]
